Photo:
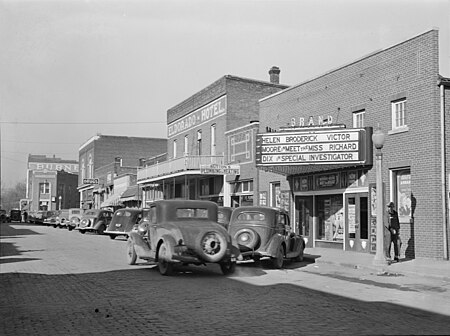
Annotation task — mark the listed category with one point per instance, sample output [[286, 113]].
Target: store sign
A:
[[314, 147], [90, 181], [216, 169], [198, 117], [68, 167]]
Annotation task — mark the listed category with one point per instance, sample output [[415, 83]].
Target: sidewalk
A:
[[422, 267]]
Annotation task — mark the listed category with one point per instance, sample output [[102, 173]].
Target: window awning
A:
[[131, 194], [113, 200]]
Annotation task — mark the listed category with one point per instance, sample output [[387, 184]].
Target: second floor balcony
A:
[[186, 163]]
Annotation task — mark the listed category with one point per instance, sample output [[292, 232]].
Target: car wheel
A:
[[211, 246], [131, 253], [112, 236], [277, 262], [82, 231], [101, 229], [164, 265], [228, 267]]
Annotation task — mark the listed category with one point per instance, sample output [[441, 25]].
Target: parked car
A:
[[265, 232], [3, 216], [123, 221], [175, 232], [15, 215], [31, 216], [58, 219], [95, 220], [224, 216], [42, 215], [75, 215]]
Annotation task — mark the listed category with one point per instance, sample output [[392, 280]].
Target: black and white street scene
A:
[[229, 167]]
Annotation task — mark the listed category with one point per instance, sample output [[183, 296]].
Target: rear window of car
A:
[[90, 213], [123, 214], [251, 216], [76, 212], [192, 213]]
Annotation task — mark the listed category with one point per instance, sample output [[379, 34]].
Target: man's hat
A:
[[391, 205]]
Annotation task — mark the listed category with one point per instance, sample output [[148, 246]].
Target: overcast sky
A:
[[72, 69]]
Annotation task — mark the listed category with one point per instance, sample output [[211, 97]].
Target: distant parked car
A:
[[224, 216], [3, 216], [58, 219], [15, 215], [265, 232], [75, 215], [95, 220], [176, 232], [123, 221], [42, 215], [31, 216]]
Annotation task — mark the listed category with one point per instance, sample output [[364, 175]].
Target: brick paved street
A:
[[56, 282]]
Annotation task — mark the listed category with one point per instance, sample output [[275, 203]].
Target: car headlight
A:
[[142, 228]]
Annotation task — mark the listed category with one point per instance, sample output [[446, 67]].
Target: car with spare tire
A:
[[265, 233], [182, 232]]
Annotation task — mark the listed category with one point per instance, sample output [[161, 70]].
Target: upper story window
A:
[[358, 119], [199, 142], [213, 139], [83, 169], [44, 188], [90, 167], [174, 149], [186, 145], [398, 108]]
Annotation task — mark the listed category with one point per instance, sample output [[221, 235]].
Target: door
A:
[[357, 223], [304, 218]]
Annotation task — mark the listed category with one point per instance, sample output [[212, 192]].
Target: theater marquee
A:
[[341, 146]]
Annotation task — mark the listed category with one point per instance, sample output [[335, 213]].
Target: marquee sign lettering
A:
[[314, 147]]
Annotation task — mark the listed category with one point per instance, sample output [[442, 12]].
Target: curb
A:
[[422, 273]]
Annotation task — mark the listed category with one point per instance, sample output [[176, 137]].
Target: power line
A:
[[81, 122]]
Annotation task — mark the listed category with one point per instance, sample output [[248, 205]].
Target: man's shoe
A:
[[396, 260]]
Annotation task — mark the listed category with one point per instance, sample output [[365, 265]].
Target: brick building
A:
[[105, 158], [210, 144], [320, 167], [51, 183]]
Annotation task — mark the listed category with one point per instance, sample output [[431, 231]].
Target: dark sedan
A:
[[123, 221]]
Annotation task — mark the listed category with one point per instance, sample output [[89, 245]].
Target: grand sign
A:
[[314, 147], [198, 117]]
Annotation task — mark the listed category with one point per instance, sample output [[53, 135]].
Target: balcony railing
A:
[[185, 163]]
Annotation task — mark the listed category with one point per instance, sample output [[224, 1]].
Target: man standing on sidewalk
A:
[[394, 232]]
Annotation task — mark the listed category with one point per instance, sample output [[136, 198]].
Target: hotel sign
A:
[[198, 117], [314, 147], [216, 169]]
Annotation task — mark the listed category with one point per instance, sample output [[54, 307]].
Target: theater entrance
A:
[[357, 222]]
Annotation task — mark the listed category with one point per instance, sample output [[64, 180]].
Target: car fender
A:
[[140, 244], [274, 244], [169, 241], [98, 224]]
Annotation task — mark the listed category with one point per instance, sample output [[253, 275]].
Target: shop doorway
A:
[[304, 218], [357, 223]]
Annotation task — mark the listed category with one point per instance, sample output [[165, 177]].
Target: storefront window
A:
[[331, 218]]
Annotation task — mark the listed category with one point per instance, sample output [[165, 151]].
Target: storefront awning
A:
[[131, 194], [113, 200]]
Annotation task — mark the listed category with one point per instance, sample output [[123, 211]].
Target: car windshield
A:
[[191, 213], [251, 216]]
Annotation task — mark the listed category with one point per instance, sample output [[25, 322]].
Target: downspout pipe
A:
[[443, 173]]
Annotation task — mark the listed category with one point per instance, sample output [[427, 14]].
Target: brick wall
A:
[[410, 70]]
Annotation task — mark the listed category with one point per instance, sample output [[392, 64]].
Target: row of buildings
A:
[[306, 148]]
